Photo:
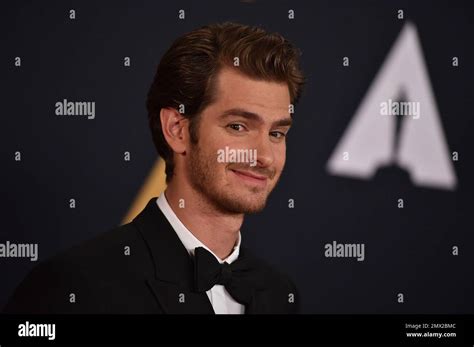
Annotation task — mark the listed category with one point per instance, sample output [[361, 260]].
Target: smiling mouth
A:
[[251, 178]]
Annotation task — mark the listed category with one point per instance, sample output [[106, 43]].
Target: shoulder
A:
[[113, 251], [87, 270]]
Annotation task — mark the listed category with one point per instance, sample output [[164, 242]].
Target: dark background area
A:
[[407, 250]]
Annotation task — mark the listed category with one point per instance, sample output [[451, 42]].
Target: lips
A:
[[251, 177]]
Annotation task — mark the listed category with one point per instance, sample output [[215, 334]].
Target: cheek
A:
[[208, 148]]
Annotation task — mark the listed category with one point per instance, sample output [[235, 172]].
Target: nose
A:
[[265, 154]]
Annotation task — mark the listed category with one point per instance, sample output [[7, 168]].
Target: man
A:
[[221, 89]]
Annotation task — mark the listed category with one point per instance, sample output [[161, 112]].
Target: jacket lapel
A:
[[271, 289], [172, 280], [174, 299]]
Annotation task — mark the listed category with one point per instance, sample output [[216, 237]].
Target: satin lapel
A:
[[259, 304], [172, 281], [269, 295], [256, 305], [174, 299]]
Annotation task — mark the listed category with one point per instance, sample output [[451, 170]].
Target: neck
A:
[[217, 230]]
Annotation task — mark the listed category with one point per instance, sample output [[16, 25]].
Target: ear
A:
[[175, 129]]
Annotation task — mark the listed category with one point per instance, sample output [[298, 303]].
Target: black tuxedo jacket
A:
[[140, 267]]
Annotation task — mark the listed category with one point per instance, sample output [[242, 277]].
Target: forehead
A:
[[234, 89]]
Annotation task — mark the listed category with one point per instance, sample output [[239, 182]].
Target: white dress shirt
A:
[[220, 299]]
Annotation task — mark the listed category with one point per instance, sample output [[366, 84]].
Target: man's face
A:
[[249, 119]]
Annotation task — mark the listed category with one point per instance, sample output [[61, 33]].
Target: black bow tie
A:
[[241, 278]]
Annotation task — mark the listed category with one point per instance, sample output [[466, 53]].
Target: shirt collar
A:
[[190, 241]]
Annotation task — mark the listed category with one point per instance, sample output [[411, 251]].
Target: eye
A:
[[278, 134], [237, 127]]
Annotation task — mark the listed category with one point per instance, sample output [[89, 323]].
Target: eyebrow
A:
[[287, 121]]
